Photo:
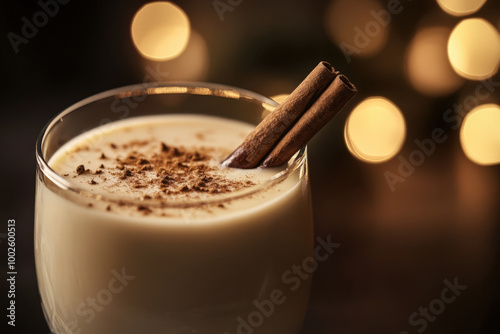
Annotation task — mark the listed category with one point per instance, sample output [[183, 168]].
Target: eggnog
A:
[[150, 234]]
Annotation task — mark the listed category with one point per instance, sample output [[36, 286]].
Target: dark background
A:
[[397, 248]]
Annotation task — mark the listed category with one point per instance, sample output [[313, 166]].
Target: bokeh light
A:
[[474, 49], [160, 30], [280, 97], [427, 65], [358, 27], [480, 135], [191, 65], [375, 130], [460, 7]]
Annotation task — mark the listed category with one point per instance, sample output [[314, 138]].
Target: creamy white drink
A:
[[159, 238]]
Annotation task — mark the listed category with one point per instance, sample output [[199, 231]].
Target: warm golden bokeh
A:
[[375, 130], [480, 135], [427, 65], [474, 49], [280, 97], [160, 30], [356, 26], [460, 7], [191, 65]]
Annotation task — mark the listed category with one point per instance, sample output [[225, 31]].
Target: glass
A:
[[106, 272]]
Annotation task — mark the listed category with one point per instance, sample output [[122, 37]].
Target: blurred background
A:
[[406, 178]]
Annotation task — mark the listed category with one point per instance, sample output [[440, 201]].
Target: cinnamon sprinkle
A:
[[80, 169], [162, 171]]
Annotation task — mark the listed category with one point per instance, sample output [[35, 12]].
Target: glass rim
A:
[[163, 88]]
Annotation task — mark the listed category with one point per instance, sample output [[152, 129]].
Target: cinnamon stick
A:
[[335, 96], [261, 141]]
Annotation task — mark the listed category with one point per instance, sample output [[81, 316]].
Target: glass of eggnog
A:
[[140, 229]]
